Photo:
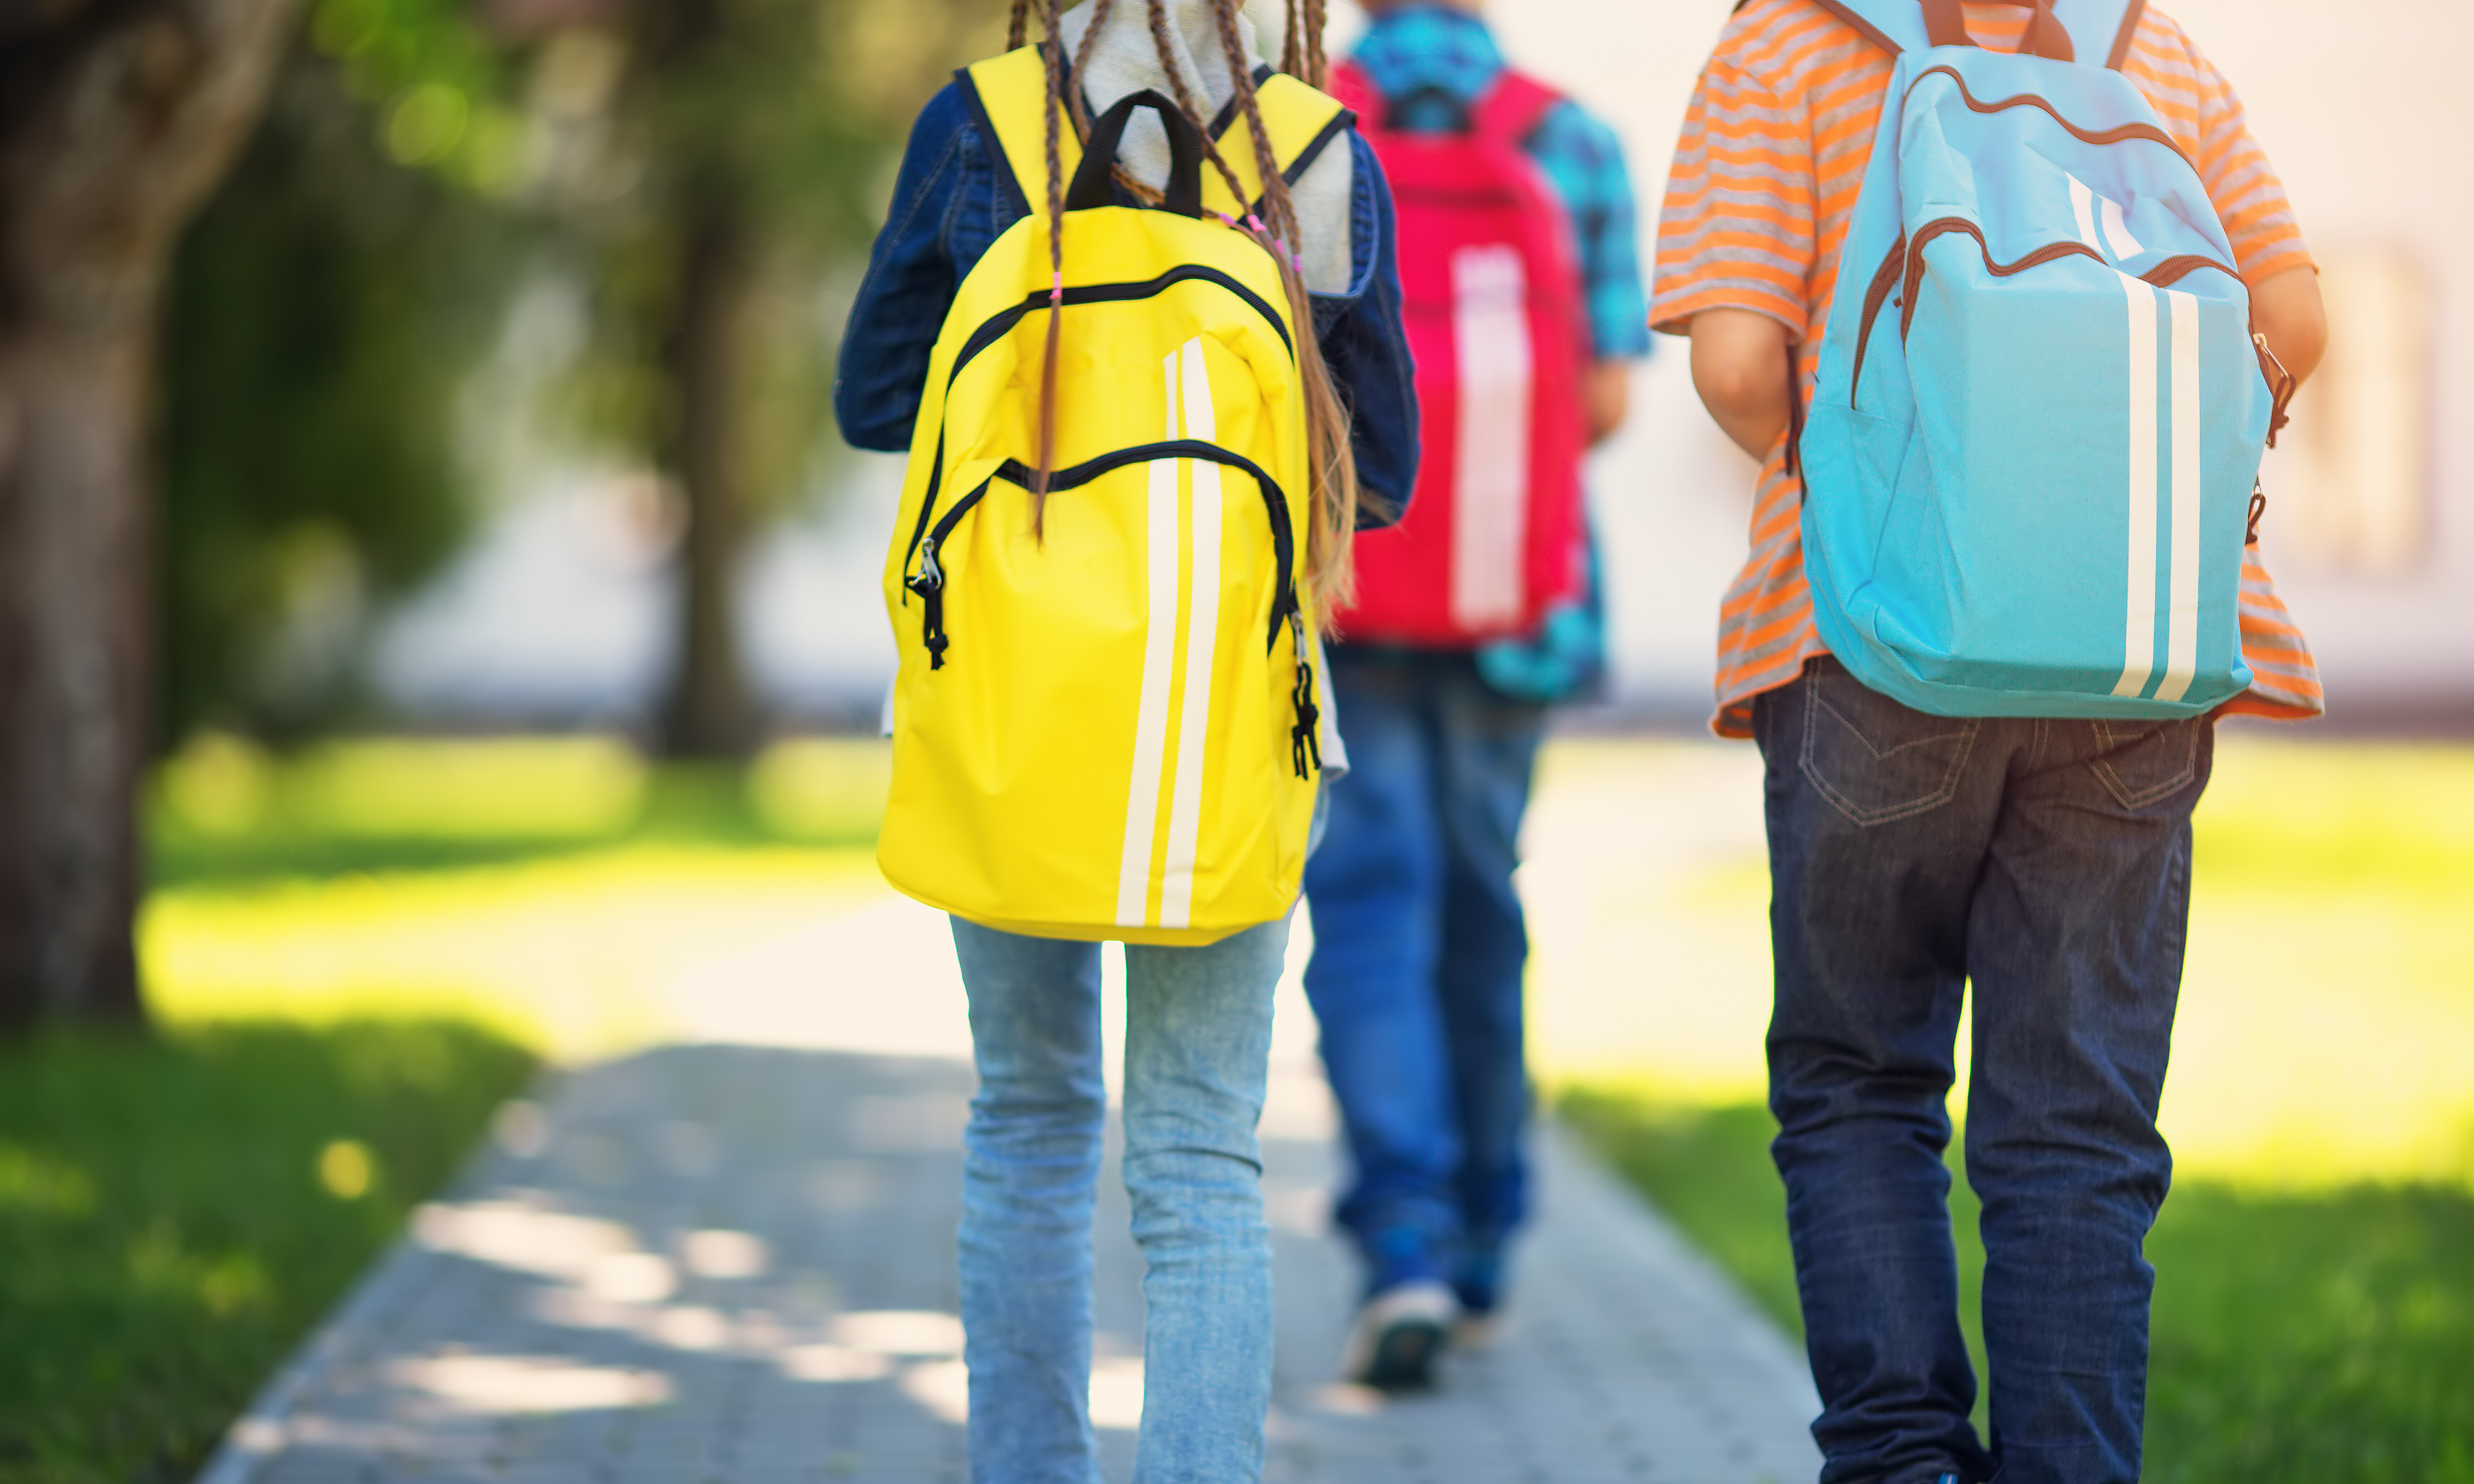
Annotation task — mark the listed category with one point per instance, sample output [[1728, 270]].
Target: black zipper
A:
[[998, 326], [930, 584]]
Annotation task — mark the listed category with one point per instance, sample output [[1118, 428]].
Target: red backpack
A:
[[1492, 298]]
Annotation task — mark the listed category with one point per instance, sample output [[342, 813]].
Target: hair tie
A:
[[1057, 288]]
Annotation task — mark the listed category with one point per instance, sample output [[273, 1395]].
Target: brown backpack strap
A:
[[1944, 22], [2121, 39], [1865, 28]]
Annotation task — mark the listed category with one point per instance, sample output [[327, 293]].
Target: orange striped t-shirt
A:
[[1765, 177]]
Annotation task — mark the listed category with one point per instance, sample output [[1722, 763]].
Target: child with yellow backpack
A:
[[1136, 317]]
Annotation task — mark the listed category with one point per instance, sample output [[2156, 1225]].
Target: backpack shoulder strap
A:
[[2123, 31], [1007, 97], [2087, 29], [1302, 123], [1894, 26], [1513, 107]]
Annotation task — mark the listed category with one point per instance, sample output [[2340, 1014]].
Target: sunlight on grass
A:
[[829, 788], [554, 889], [524, 786], [1648, 915], [2328, 1004], [2328, 997], [570, 955], [582, 887]]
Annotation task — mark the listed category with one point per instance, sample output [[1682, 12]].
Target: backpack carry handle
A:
[[1434, 100], [1094, 179], [1946, 24]]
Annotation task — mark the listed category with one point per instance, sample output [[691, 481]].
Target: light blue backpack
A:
[[2033, 443]]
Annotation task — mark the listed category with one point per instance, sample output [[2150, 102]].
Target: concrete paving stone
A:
[[322, 1467], [569, 1471]]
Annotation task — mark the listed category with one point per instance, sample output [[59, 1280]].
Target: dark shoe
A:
[[1398, 1340]]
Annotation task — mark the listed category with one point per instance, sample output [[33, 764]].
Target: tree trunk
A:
[[115, 119], [708, 712]]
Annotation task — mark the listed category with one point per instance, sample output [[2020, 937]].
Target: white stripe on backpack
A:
[[2182, 593], [1202, 643], [2139, 616], [2181, 605], [1159, 652], [1188, 385], [1491, 463], [2089, 207]]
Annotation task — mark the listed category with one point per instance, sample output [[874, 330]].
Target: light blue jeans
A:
[[1198, 1047]]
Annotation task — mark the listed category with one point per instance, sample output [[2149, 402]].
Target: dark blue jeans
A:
[[2047, 863], [1420, 948]]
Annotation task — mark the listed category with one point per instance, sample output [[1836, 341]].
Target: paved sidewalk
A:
[[732, 1262]]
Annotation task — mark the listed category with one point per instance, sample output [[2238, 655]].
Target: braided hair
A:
[[1332, 464], [1274, 223]]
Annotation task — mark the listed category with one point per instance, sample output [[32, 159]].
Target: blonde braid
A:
[[1267, 163], [1186, 104], [1054, 53], [1331, 463], [1075, 85]]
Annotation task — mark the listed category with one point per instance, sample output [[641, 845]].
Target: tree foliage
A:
[[322, 311], [705, 167]]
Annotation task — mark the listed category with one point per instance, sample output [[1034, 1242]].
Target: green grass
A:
[[225, 814], [355, 954], [177, 1213], [553, 890], [2324, 1335]]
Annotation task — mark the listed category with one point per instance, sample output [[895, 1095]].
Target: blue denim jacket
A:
[[948, 206]]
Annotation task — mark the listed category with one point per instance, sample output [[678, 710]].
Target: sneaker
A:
[[1399, 1336]]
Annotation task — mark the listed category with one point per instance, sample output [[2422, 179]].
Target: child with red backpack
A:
[[1523, 300]]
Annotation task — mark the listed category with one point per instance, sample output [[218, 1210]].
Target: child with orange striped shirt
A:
[[2044, 861]]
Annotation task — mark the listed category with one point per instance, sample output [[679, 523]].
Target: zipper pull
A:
[[1305, 745], [2281, 387], [929, 585]]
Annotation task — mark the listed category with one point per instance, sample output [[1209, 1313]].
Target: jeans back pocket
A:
[[2141, 763], [1872, 758]]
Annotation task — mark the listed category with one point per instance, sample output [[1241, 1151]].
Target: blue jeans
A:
[[2047, 863], [1420, 948], [1198, 1044]]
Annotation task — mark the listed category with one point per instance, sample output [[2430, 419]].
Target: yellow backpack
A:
[[1106, 730]]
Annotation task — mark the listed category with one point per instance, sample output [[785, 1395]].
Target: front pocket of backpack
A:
[[1874, 759]]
